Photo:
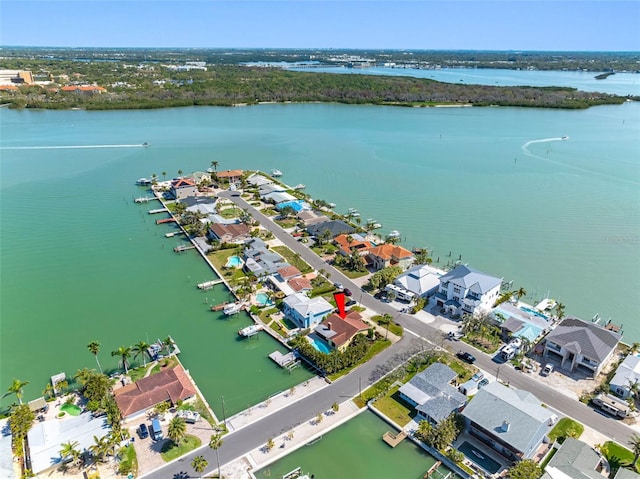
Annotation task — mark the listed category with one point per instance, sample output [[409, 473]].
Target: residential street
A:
[[256, 434]]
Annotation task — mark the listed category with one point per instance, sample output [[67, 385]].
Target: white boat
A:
[[232, 308], [375, 226], [276, 173], [565, 138], [299, 187], [352, 211], [146, 145], [332, 205], [394, 234], [143, 182], [250, 330]]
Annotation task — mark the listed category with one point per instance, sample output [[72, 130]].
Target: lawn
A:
[[394, 328], [128, 461], [394, 408], [229, 213], [377, 347], [293, 259], [171, 451], [138, 373], [566, 427], [199, 406], [617, 456], [219, 260], [169, 362], [287, 223], [351, 274]]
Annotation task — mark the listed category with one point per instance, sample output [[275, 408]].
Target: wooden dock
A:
[[432, 469], [166, 220], [207, 285], [394, 439], [286, 361], [219, 307], [183, 247], [145, 199]]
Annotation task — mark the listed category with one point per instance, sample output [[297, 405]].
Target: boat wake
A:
[[68, 147], [525, 147]]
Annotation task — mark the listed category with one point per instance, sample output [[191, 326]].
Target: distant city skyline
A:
[[545, 25]]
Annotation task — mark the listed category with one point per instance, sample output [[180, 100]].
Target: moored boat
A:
[[250, 330], [233, 308], [276, 173], [143, 182]]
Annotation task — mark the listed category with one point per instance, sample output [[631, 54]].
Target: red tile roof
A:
[[8, 87], [229, 174], [346, 248], [182, 182], [83, 88], [169, 385], [389, 251], [346, 328], [289, 272], [298, 284]]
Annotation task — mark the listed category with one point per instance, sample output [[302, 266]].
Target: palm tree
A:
[[634, 442], [164, 174], [49, 391], [17, 389], [177, 430], [214, 163], [141, 348], [125, 353], [100, 448], [199, 464], [521, 292], [168, 344], [70, 449], [179, 172], [560, 310], [94, 348], [215, 443]]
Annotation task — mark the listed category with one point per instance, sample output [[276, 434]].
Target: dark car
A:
[[143, 432], [351, 302], [347, 291], [467, 357]]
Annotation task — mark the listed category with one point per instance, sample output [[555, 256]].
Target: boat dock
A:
[[207, 285], [144, 199], [287, 361], [432, 469], [183, 247], [171, 234], [250, 331], [158, 210], [394, 439], [219, 307], [166, 220]]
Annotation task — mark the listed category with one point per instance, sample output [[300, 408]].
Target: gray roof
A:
[[6, 456], [270, 188], [512, 324], [433, 393], [575, 459], [472, 279], [260, 260], [198, 200], [258, 180], [628, 372], [496, 404], [279, 197], [588, 339], [336, 227], [624, 473], [419, 280]]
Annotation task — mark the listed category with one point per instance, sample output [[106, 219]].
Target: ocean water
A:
[[497, 187]]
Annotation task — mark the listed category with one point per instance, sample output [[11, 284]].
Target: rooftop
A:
[[589, 339], [470, 278]]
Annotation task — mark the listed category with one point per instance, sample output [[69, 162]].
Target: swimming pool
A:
[[234, 262], [71, 409], [534, 312], [320, 345], [297, 205], [263, 300], [479, 458]]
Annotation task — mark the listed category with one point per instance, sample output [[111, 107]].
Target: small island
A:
[[604, 76]]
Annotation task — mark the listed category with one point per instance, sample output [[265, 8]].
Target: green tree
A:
[[48, 391], [270, 444], [164, 175], [215, 443], [168, 344], [69, 450], [177, 430], [383, 277], [94, 348], [526, 469], [335, 407], [521, 292], [124, 352], [17, 388], [214, 163], [161, 408], [559, 310], [179, 172], [141, 348], [199, 464], [634, 442], [20, 423]]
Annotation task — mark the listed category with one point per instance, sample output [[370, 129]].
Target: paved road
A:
[[240, 442]]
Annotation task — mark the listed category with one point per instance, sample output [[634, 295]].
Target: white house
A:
[[306, 312], [421, 280], [467, 290], [627, 374]]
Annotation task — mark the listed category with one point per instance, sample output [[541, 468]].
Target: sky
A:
[[574, 25]]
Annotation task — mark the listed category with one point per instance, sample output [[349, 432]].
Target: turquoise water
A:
[[263, 300], [320, 345], [81, 262], [355, 450], [234, 262]]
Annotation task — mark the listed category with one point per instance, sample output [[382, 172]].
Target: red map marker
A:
[[339, 297]]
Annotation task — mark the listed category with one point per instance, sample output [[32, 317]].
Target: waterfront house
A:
[[510, 421], [288, 272], [305, 312], [467, 290], [310, 217], [627, 374], [278, 197], [576, 460], [84, 89], [171, 385], [258, 180], [259, 260], [347, 244], [268, 188], [233, 233], [432, 393], [46, 438], [280, 280], [581, 345], [338, 332], [334, 227], [200, 177], [202, 204], [421, 280], [387, 255], [182, 188], [232, 176]]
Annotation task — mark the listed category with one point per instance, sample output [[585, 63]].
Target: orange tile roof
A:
[[289, 272], [346, 328], [229, 174], [235, 230], [347, 248], [169, 385], [180, 182], [389, 251], [83, 88], [298, 284]]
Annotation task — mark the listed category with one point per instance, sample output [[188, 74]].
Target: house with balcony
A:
[[579, 344], [387, 255], [421, 280], [432, 393], [232, 176], [512, 422], [465, 290], [338, 332], [349, 244], [306, 312], [259, 260], [231, 233], [627, 375], [182, 188]]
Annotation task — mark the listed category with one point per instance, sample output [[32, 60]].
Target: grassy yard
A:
[[219, 260], [323, 249], [277, 327], [170, 363], [287, 223], [377, 347], [229, 213], [394, 328], [293, 259], [171, 450], [351, 274], [394, 408], [199, 406], [138, 373], [128, 460], [566, 427], [269, 212], [617, 456]]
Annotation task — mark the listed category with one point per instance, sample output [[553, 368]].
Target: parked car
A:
[[484, 382], [548, 369], [351, 302], [455, 335], [347, 291], [466, 357], [478, 376], [156, 430], [337, 285], [143, 432]]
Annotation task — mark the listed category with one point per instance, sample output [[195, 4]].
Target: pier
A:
[[207, 285], [144, 199], [171, 234], [158, 210], [183, 247], [219, 307], [432, 469], [166, 220], [287, 361], [394, 439]]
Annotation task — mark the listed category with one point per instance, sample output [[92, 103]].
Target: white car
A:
[[548, 369]]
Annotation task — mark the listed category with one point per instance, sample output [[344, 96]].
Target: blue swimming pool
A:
[[297, 205], [479, 458], [234, 262], [320, 345], [534, 312], [263, 300]]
